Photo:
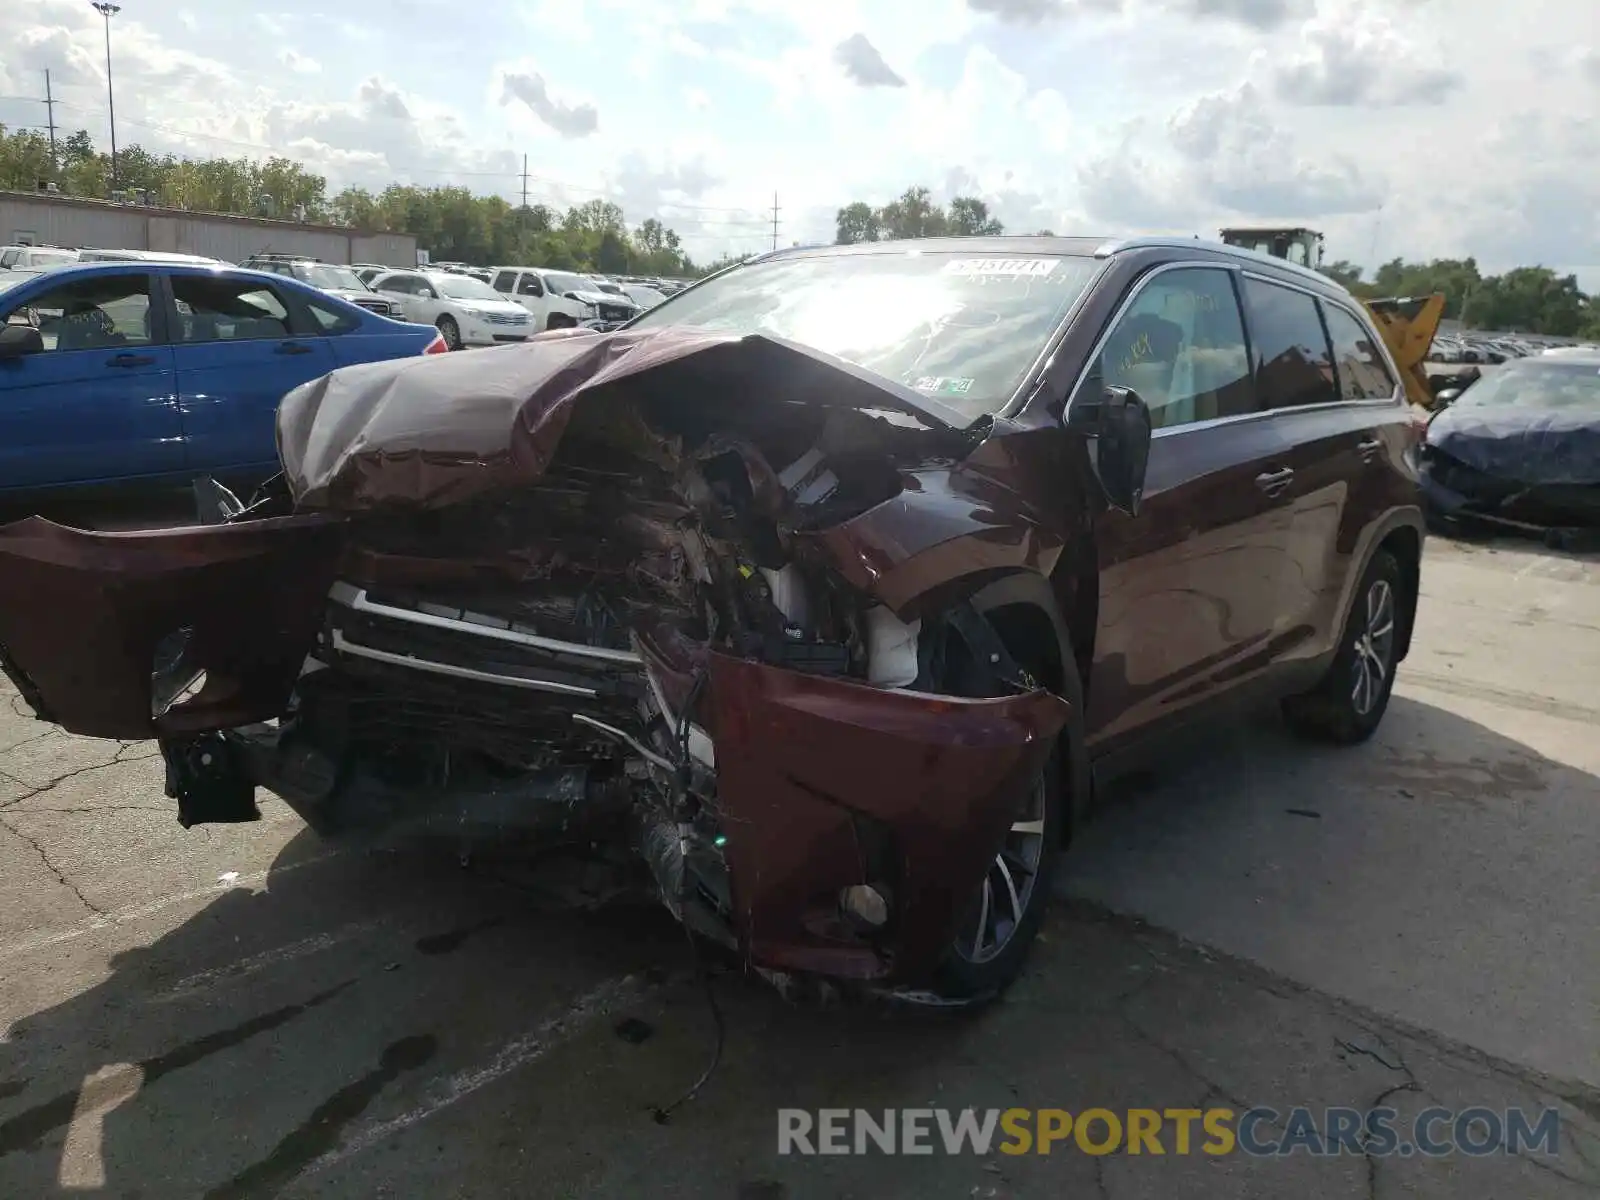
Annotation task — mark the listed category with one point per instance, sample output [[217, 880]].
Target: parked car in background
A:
[[832, 621], [1520, 448], [528, 287], [95, 254], [605, 307], [333, 278], [367, 272], [466, 311], [156, 373], [643, 295], [15, 258]]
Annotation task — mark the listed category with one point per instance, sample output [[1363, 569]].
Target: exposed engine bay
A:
[[630, 627]]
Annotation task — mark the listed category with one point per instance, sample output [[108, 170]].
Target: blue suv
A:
[[155, 373]]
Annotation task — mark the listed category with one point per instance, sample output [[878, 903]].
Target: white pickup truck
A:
[[551, 309]]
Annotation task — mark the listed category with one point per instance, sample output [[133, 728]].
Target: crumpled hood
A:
[[598, 297], [1527, 445], [432, 431]]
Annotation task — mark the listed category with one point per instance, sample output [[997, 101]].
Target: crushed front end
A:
[[619, 624]]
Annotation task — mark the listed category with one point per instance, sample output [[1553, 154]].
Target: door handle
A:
[[130, 360], [1274, 482], [292, 348], [1369, 448]]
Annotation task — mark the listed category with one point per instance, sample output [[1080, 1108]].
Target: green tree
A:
[[1526, 300], [913, 215], [969, 217], [857, 222]]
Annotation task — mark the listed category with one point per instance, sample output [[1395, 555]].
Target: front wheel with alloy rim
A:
[[451, 332], [1348, 703], [997, 925], [1002, 917]]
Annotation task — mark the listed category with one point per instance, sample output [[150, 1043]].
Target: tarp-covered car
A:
[[822, 583], [1520, 448]]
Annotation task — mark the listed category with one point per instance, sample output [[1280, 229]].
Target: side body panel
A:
[[88, 415], [1191, 588]]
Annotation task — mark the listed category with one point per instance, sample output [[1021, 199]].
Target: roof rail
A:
[[1119, 245]]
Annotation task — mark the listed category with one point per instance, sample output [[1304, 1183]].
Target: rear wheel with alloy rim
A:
[[1352, 697]]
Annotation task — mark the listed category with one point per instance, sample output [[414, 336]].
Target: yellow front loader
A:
[[1407, 324]]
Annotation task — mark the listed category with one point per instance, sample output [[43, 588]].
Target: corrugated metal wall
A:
[[63, 222]]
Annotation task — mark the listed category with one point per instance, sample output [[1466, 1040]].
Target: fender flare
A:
[[1033, 591]]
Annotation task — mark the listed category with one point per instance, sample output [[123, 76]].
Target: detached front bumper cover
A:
[[824, 783]]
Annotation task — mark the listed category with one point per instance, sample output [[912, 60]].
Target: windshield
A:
[[561, 283], [956, 326], [322, 275], [464, 287], [1537, 383], [43, 257]]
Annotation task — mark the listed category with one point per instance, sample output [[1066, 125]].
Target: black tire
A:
[[1060, 795], [964, 977], [1347, 705], [451, 331]]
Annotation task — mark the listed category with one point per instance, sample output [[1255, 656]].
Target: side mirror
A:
[[1119, 422], [19, 340], [1446, 397]]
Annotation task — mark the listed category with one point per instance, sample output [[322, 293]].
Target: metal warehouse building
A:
[[37, 219]]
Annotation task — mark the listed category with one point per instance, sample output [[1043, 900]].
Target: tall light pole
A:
[[109, 10]]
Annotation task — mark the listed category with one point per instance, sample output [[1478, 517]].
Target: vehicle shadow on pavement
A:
[[1442, 873], [381, 1024]]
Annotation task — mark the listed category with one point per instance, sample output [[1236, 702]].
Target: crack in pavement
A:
[[56, 782], [60, 876]]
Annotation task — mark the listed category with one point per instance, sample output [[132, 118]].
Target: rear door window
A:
[[227, 310], [1363, 375], [1181, 347], [330, 319], [506, 281], [1294, 363]]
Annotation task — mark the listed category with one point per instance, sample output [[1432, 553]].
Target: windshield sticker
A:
[[995, 268], [944, 385]]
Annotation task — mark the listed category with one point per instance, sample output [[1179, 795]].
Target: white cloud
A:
[[299, 63], [1087, 115], [862, 62], [1353, 55], [571, 119]]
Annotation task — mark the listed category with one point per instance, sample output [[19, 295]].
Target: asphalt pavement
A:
[[242, 1011]]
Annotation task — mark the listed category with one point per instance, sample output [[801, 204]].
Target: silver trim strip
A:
[[1244, 254], [356, 598], [344, 645], [1235, 418]]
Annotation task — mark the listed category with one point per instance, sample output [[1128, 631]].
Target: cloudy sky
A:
[[1414, 127]]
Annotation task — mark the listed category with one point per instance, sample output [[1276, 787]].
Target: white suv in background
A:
[[528, 287], [467, 311]]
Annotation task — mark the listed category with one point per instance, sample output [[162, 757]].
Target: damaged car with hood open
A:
[[826, 586]]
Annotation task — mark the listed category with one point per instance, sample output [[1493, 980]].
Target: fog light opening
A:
[[866, 904]]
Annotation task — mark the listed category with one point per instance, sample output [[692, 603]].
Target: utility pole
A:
[[50, 107], [109, 10], [774, 220], [524, 182]]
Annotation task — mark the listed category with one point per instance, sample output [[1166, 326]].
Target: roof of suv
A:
[[1085, 247]]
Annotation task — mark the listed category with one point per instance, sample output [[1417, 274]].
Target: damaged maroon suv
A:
[[828, 585]]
